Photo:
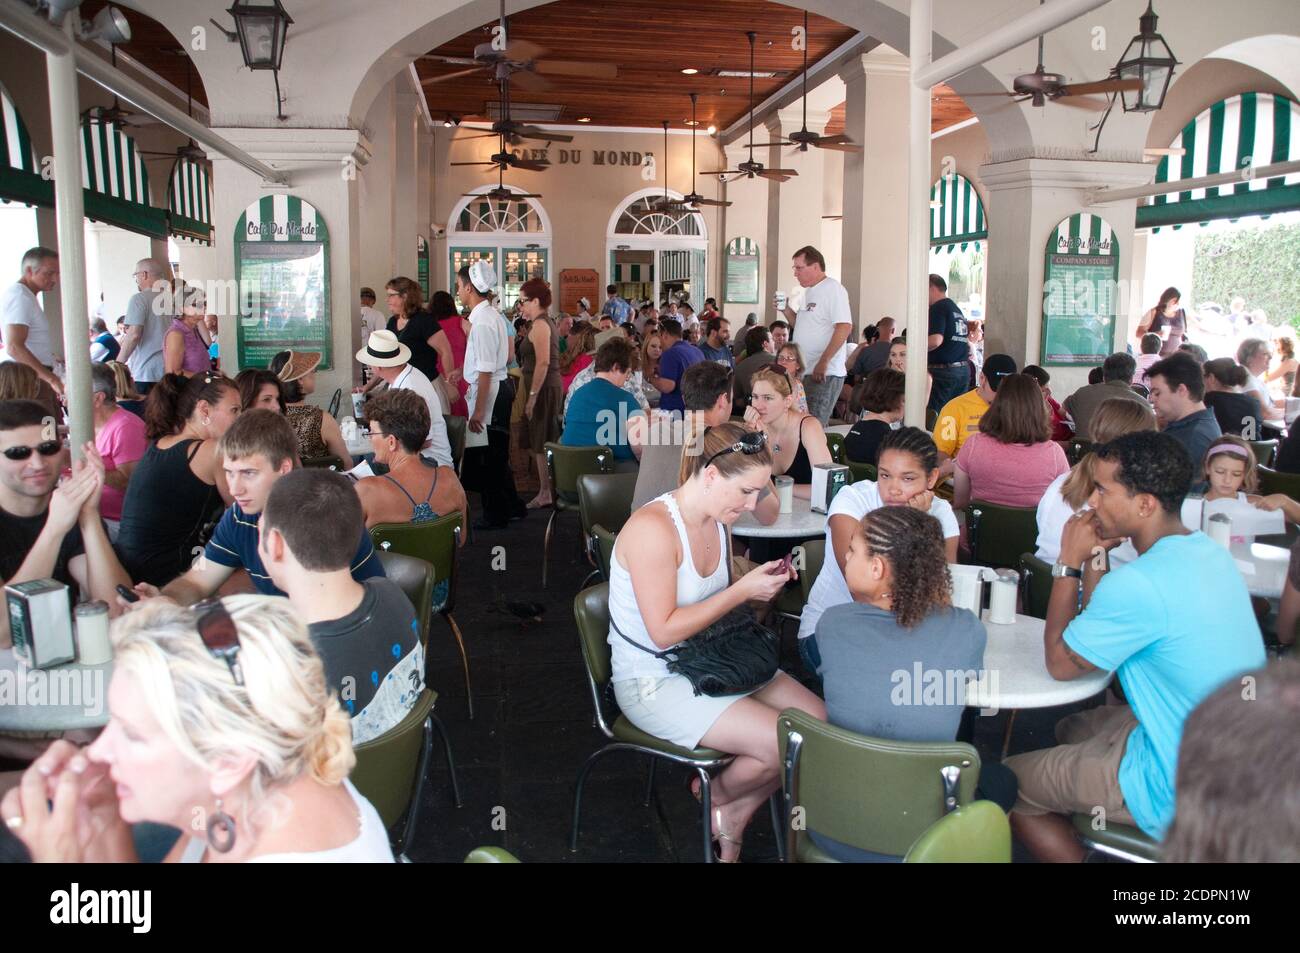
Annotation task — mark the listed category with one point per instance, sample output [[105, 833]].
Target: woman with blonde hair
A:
[[652, 610], [651, 350], [221, 724], [1287, 363], [1068, 494], [580, 352], [797, 440]]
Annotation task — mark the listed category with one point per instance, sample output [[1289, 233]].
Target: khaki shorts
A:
[[1082, 772]]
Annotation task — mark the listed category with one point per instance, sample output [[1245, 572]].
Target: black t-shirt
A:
[[421, 326], [946, 319], [1288, 454], [862, 445], [17, 537], [1238, 414]]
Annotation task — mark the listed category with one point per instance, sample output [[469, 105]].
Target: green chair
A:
[[997, 535], [565, 465], [491, 855], [456, 437], [873, 794], [1274, 481], [391, 769], [978, 833], [604, 499], [1077, 450], [861, 471], [790, 603], [835, 444], [931, 418], [1265, 451], [1117, 840], [437, 542], [591, 612], [327, 462], [1037, 582], [602, 546], [415, 578]]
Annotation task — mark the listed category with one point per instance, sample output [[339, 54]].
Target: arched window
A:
[[513, 234], [656, 254], [641, 218]]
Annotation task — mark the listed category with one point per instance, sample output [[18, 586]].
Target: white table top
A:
[[801, 522], [1015, 670], [841, 429], [359, 444], [53, 699], [1263, 567]]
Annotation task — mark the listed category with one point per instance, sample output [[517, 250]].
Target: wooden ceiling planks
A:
[[153, 46], [946, 109]]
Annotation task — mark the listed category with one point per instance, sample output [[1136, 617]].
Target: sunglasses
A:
[[219, 635], [750, 443], [47, 449]]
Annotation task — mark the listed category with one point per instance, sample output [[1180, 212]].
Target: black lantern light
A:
[[261, 28], [1149, 60]]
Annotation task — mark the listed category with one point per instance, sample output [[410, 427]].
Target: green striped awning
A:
[[634, 274], [115, 181], [1083, 234], [956, 213], [189, 201], [20, 172], [1252, 129], [742, 246], [280, 218]]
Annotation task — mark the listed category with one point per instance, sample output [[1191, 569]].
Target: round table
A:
[[841, 429], [801, 522], [1263, 567], [61, 698], [1015, 670]]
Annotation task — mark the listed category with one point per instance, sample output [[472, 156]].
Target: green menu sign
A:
[[282, 266], [422, 265], [1080, 291], [742, 271]]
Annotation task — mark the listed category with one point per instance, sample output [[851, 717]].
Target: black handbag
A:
[[732, 656]]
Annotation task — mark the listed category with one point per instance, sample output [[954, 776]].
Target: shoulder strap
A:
[[400, 487], [658, 655], [193, 451], [433, 486]]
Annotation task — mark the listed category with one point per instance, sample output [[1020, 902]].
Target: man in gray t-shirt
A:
[[146, 326]]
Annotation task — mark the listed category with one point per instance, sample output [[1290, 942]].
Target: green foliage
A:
[[1261, 265]]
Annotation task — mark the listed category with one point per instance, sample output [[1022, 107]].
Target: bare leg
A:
[[1049, 837], [543, 497]]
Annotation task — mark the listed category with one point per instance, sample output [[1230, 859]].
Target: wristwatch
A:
[[1060, 571]]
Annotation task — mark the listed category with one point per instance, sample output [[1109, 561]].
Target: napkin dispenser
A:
[[827, 480], [40, 622]]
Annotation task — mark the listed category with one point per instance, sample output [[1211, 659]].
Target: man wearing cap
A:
[[949, 347], [491, 393], [960, 417], [391, 360]]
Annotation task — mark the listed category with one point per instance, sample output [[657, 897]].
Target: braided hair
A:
[[911, 542], [915, 441]]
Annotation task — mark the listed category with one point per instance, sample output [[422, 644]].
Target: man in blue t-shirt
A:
[[602, 413], [676, 357], [1174, 625], [949, 347], [258, 449]]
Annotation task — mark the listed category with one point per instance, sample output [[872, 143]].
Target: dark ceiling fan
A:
[[519, 58], [115, 115], [501, 193], [750, 168], [694, 200], [803, 138], [508, 160], [190, 150]]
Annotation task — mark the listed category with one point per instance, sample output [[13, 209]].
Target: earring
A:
[[206, 421], [221, 830]]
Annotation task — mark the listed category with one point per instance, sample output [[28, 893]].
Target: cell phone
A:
[[783, 569], [130, 595]]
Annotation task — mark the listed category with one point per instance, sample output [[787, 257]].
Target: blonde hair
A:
[[699, 448], [18, 382], [285, 714], [775, 375], [1250, 481], [1114, 418], [125, 384]]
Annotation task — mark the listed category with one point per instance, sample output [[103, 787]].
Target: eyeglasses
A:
[[372, 432], [749, 444], [47, 449], [219, 635]]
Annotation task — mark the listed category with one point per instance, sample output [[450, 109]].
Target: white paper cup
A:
[[785, 493]]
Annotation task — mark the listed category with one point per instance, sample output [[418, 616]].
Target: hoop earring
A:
[[207, 421], [221, 830]]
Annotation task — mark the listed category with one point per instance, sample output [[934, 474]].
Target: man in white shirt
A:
[[391, 361], [26, 334], [486, 467], [821, 327], [146, 325], [372, 319]]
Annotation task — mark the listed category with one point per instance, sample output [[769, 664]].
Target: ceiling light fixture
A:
[[1149, 59], [260, 29], [712, 129], [691, 122], [584, 119]]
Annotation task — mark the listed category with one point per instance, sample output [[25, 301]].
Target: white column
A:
[[746, 218], [406, 208], [794, 206], [874, 261], [920, 39]]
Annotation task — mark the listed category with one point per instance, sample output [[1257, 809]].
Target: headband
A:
[[1232, 448]]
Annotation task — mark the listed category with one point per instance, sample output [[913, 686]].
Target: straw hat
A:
[[299, 365], [384, 350]]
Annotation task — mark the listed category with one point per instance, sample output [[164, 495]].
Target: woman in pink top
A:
[[450, 341], [185, 350], [120, 440], [1012, 460]]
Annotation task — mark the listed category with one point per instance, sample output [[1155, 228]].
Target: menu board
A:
[[742, 271], [1080, 293], [422, 265], [282, 266], [578, 283]]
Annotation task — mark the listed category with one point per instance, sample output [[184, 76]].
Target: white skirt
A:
[[668, 708]]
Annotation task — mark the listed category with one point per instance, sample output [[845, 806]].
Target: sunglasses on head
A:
[[47, 449], [219, 635], [750, 443]]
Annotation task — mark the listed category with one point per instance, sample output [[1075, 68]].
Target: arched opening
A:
[[513, 234], [654, 254]]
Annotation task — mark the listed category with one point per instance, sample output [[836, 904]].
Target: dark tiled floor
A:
[[518, 759]]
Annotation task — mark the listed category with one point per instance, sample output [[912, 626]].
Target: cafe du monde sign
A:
[[596, 157]]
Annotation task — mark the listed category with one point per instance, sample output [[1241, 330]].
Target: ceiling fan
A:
[[750, 168], [515, 132], [500, 193], [508, 160], [519, 58], [803, 138], [190, 150], [694, 200], [115, 115]]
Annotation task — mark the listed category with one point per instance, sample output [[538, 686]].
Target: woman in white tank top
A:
[[722, 477]]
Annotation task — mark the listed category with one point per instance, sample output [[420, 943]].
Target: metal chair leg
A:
[[413, 810], [706, 810], [451, 761], [593, 575], [464, 660], [777, 804], [546, 544], [650, 782], [577, 796], [1006, 734]]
